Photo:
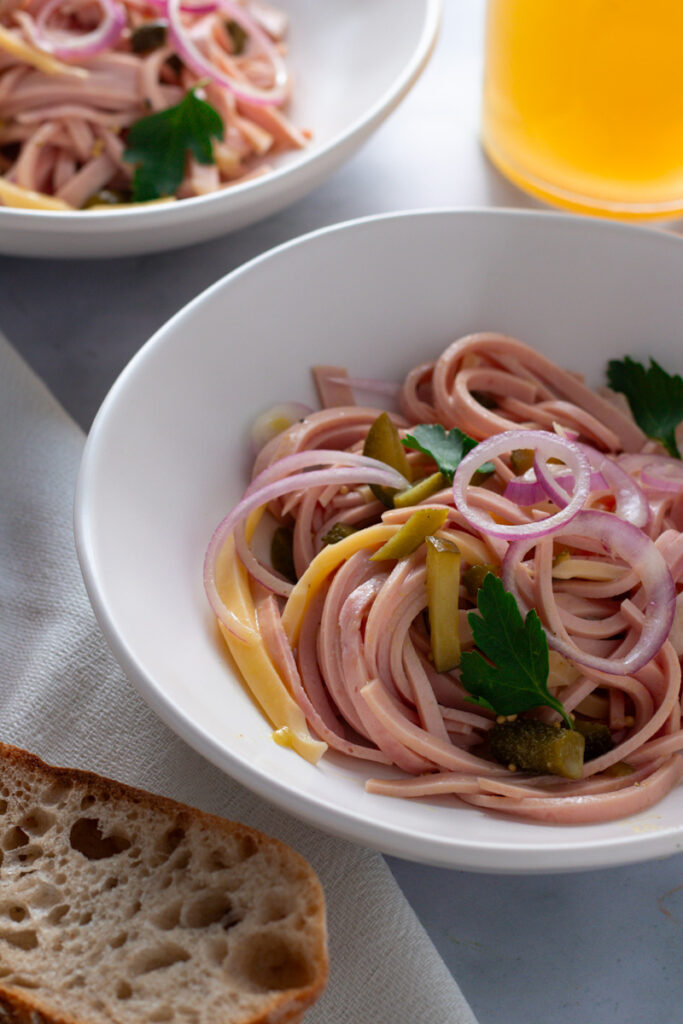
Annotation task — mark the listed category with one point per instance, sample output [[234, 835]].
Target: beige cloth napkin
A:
[[65, 698]]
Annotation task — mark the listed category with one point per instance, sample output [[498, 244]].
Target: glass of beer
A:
[[583, 103]]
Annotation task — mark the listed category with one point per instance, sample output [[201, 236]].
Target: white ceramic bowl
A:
[[168, 456], [352, 61]]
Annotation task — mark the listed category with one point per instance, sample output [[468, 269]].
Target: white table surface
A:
[[591, 948]]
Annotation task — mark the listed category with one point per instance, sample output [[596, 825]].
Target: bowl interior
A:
[[169, 454]]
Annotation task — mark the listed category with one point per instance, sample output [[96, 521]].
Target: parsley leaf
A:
[[518, 678], [655, 397], [447, 449], [159, 145]]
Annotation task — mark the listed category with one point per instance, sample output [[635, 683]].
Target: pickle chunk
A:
[[533, 746], [383, 443], [474, 577], [420, 491], [408, 538], [597, 736], [443, 591]]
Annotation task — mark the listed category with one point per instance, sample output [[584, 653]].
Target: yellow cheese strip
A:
[[471, 548], [17, 47], [586, 569], [320, 568], [24, 198], [252, 658]]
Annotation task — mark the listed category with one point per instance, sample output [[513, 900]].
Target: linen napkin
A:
[[65, 698]]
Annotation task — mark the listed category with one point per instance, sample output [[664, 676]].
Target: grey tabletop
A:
[[604, 947]]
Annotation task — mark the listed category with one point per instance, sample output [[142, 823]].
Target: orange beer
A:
[[583, 102]]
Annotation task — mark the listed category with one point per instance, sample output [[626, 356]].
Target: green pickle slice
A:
[[383, 443], [408, 538], [420, 491], [533, 746], [473, 577], [443, 591]]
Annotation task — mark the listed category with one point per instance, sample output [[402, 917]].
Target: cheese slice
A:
[[252, 659], [320, 568], [26, 199], [19, 48]]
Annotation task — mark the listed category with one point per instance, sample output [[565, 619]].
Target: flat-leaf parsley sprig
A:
[[655, 398], [515, 676], [447, 449], [159, 145]]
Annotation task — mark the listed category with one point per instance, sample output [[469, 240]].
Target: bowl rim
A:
[[473, 855]]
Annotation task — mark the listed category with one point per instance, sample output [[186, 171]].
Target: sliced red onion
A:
[[663, 475], [631, 503], [341, 468], [623, 540], [552, 484], [527, 490], [265, 576], [546, 444], [202, 66], [316, 457], [274, 420], [65, 44], [565, 432]]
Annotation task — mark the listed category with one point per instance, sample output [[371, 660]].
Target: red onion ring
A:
[[665, 475], [73, 44], [626, 541], [631, 503], [261, 573], [341, 468], [203, 67], [527, 490], [550, 445]]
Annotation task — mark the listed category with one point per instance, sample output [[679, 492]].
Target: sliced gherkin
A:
[[532, 746], [422, 523], [383, 443], [521, 459], [473, 577], [238, 36], [282, 552], [443, 589], [420, 491], [597, 736], [337, 532]]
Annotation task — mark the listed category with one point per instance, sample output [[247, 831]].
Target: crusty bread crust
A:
[[118, 906]]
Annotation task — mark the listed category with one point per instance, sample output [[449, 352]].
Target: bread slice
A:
[[120, 907]]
